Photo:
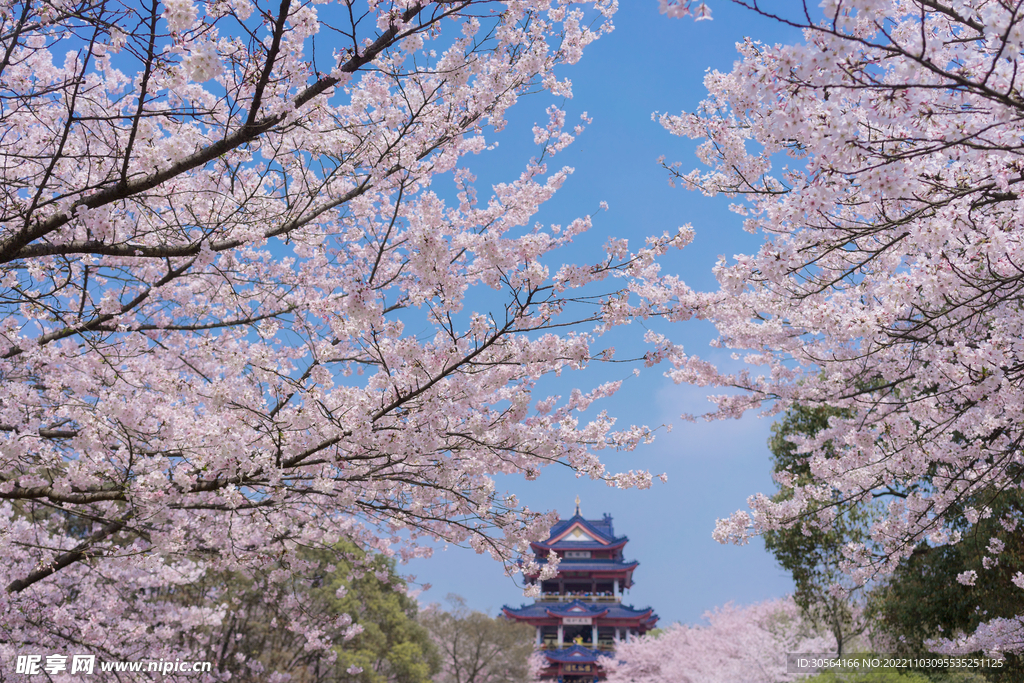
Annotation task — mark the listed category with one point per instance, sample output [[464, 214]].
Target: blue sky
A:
[[649, 63]]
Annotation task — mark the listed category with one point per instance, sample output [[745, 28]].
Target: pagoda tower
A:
[[579, 615]]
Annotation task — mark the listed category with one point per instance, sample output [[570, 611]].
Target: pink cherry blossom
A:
[[879, 158], [252, 301], [737, 644]]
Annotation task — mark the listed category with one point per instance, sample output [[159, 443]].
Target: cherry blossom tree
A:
[[251, 300], [814, 557], [881, 160], [737, 644]]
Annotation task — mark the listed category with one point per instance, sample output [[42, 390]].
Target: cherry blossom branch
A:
[[77, 554]]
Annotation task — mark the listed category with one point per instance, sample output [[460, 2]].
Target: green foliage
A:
[[898, 676], [393, 647], [275, 614], [923, 598], [477, 648], [958, 676], [812, 555]]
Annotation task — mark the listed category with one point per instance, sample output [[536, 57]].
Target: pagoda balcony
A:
[[582, 597], [579, 614], [602, 645]]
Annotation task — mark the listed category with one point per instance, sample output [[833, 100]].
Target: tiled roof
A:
[[593, 565], [599, 529], [540, 610], [602, 526], [581, 545], [576, 653], [577, 608]]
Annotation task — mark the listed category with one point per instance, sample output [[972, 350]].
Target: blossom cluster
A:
[[880, 160], [243, 315], [736, 644]]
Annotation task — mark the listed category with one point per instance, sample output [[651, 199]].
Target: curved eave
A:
[[515, 615], [593, 528], [563, 615], [648, 619], [609, 615], [576, 653], [624, 572], [598, 566], [543, 547], [571, 659]]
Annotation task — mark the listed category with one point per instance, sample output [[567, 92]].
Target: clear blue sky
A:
[[650, 63]]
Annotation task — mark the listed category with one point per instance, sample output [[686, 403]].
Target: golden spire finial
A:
[[577, 505]]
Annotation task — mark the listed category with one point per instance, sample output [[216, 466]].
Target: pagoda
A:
[[579, 615]]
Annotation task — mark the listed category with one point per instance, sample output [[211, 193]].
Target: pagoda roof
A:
[[595, 565], [578, 608], [576, 653], [577, 533]]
